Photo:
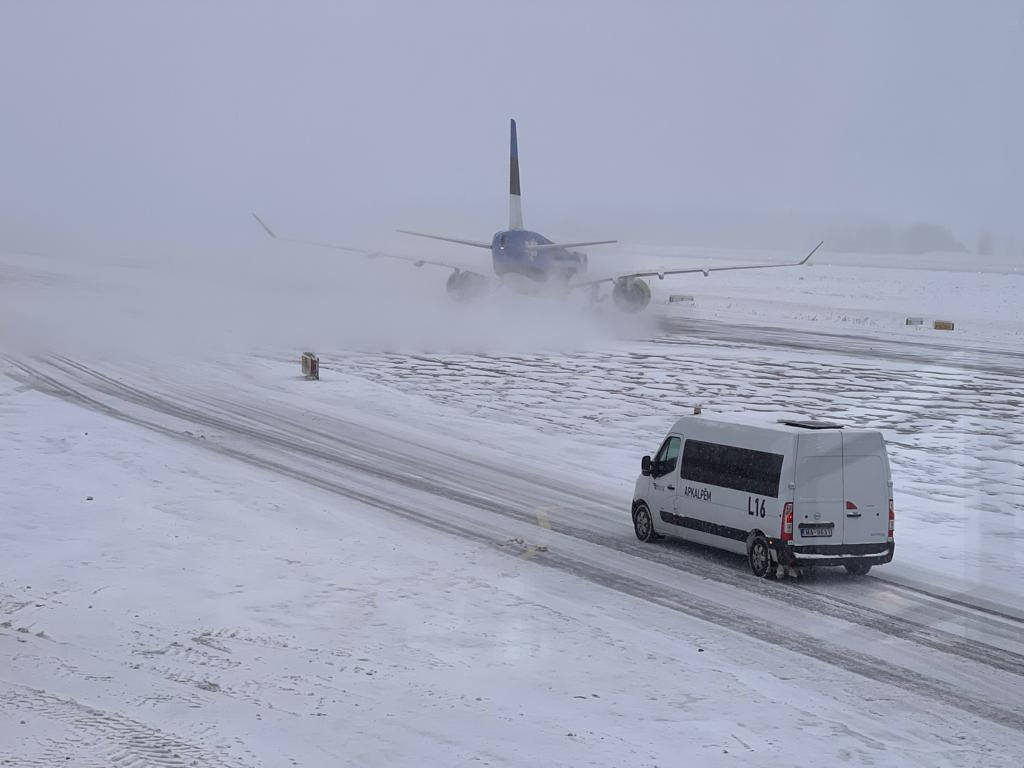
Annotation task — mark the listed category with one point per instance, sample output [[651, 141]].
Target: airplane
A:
[[531, 263]]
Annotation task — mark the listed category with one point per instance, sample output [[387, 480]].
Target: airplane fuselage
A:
[[513, 254]]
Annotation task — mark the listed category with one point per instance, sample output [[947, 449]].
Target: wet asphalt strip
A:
[[678, 330]]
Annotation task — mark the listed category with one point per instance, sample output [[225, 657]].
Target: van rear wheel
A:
[[643, 525], [760, 557], [857, 568]]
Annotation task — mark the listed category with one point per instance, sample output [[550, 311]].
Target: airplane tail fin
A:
[[515, 206]]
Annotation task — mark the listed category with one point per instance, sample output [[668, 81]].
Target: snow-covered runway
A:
[[867, 650]]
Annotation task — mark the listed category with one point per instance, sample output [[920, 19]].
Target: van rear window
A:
[[726, 466]]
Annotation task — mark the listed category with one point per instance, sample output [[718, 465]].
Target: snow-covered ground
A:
[[426, 557]]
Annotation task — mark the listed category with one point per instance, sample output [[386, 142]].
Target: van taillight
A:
[[787, 522], [892, 521]]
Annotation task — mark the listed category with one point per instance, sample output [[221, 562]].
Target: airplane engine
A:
[[466, 286], [631, 294]]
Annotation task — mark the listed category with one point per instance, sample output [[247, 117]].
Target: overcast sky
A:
[[134, 124]]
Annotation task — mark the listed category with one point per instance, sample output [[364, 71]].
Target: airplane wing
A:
[[414, 260], [549, 246], [660, 273], [474, 243], [482, 244]]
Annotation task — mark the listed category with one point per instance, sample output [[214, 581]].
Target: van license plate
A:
[[818, 530]]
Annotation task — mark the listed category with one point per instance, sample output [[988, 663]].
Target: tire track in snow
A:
[[109, 738]]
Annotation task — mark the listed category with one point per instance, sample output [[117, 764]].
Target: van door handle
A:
[[671, 487]]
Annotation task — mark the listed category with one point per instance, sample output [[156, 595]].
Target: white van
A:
[[788, 494]]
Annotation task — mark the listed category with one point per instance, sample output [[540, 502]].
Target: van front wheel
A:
[[642, 523], [857, 568], [759, 556]]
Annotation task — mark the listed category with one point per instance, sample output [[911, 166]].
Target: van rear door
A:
[[818, 514], [865, 488]]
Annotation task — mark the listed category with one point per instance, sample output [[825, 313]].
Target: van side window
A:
[[726, 466], [667, 458]]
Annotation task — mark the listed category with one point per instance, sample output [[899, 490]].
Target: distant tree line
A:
[[886, 238]]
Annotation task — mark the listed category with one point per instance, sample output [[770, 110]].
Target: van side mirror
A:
[[645, 465]]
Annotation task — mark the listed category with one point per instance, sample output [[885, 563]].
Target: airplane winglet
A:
[[263, 224], [813, 250]]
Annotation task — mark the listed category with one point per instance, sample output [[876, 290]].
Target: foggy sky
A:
[[134, 125]]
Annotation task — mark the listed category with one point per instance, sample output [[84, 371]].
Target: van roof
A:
[[761, 421], [810, 424]]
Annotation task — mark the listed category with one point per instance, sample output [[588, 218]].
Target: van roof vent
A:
[[811, 424]]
